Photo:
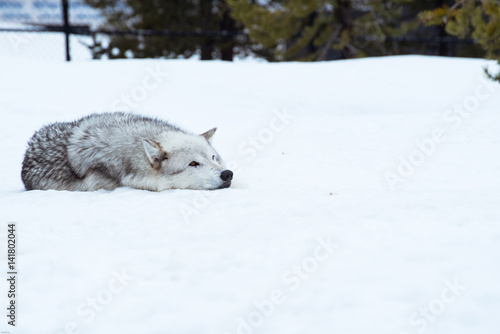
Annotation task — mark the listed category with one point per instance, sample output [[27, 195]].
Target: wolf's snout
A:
[[226, 175]]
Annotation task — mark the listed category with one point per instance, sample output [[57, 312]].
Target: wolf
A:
[[110, 150]]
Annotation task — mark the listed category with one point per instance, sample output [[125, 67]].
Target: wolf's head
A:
[[186, 161]]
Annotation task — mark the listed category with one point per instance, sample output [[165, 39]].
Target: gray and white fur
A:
[[110, 150]]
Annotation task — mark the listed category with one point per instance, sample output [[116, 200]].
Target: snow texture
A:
[[365, 200]]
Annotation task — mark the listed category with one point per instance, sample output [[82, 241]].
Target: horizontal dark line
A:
[[144, 32], [85, 30]]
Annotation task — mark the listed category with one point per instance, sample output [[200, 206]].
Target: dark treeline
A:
[[300, 30]]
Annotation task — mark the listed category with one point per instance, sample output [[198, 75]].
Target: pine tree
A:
[[322, 29], [187, 16], [479, 20]]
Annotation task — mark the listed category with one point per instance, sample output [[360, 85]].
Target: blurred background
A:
[[273, 30]]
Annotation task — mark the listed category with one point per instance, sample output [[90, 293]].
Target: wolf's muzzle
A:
[[226, 175]]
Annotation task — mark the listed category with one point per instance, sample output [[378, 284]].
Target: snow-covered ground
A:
[[366, 200]]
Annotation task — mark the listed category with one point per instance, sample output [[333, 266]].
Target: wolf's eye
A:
[[213, 157], [193, 163]]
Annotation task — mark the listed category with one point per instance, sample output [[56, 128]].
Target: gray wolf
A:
[[110, 150]]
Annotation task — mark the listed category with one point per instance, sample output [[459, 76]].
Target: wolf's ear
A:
[[208, 135], [154, 152]]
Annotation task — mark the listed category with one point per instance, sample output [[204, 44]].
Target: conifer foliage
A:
[[314, 29], [478, 19]]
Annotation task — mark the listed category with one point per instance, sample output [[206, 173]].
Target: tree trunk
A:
[[346, 24], [207, 44], [443, 47], [207, 49], [227, 24]]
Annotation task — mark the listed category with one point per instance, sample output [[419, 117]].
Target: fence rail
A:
[[85, 30]]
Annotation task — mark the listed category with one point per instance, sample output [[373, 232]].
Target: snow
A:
[[365, 200]]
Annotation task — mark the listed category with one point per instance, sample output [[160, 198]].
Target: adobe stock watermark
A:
[[152, 80], [427, 146], [292, 279], [88, 309], [249, 150], [254, 144], [421, 319]]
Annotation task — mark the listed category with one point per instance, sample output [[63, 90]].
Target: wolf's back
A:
[[94, 152], [46, 164]]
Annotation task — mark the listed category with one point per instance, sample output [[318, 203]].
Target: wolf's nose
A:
[[226, 175]]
